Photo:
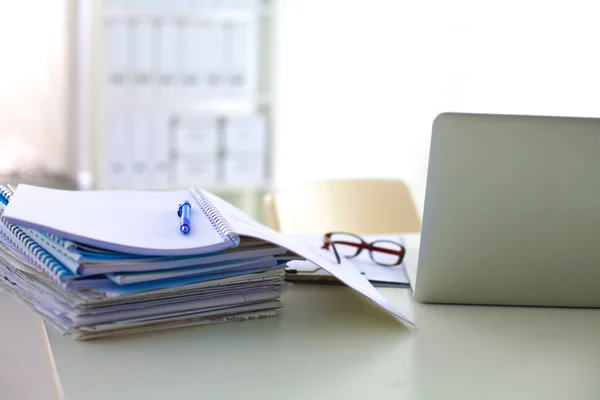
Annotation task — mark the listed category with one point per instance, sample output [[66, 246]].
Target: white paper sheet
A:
[[345, 272], [363, 263]]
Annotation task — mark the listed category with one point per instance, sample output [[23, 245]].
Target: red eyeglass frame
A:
[[363, 245]]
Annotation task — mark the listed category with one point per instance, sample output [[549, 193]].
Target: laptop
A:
[[512, 212]]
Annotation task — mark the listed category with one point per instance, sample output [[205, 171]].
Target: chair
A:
[[354, 205]]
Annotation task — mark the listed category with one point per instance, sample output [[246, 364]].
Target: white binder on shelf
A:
[[196, 145], [160, 168], [197, 135], [245, 133], [118, 78], [244, 168], [203, 48], [213, 56], [119, 94], [192, 59], [245, 144], [117, 48], [142, 67], [142, 127], [245, 47], [227, 59], [240, 72], [118, 147], [169, 51], [196, 170]]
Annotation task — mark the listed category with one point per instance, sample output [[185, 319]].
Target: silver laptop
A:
[[512, 212]]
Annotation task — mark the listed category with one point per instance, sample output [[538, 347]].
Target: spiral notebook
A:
[[146, 223], [62, 260], [125, 221]]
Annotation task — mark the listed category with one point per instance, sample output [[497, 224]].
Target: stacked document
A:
[[96, 264], [104, 263]]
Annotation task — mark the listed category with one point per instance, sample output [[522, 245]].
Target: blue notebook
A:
[[42, 260], [69, 263], [125, 221]]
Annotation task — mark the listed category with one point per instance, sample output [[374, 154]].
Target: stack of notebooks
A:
[[106, 263]]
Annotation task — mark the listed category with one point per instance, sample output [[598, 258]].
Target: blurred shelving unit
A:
[[173, 94]]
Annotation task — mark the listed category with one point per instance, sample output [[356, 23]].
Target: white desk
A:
[[25, 368], [328, 343]]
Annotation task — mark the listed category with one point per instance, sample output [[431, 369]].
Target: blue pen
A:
[[184, 212]]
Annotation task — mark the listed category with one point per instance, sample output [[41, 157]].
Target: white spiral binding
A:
[[215, 217], [37, 254]]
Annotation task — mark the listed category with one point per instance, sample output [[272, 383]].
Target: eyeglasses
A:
[[383, 252]]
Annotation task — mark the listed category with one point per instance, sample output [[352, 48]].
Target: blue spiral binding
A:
[[215, 217], [37, 254], [32, 250], [5, 192]]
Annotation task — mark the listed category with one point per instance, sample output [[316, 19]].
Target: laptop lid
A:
[[512, 212]]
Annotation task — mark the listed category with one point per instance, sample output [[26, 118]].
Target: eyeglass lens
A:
[[347, 245], [383, 258]]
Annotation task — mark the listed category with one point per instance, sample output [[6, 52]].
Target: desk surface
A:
[[24, 354], [330, 343]]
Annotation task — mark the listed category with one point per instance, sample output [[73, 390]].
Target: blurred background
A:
[[244, 96]]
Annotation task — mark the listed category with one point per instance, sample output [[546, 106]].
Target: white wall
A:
[[34, 119], [358, 83]]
